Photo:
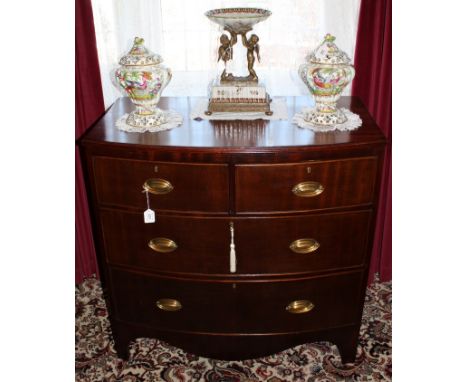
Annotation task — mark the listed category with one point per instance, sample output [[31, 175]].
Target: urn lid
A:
[[140, 55], [328, 53]]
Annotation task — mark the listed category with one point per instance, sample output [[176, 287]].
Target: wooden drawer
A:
[[269, 188], [334, 240], [202, 243], [195, 187], [243, 307], [262, 243]]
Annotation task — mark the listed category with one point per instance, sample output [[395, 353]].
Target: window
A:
[[188, 41]]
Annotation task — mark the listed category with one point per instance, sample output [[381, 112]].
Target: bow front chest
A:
[[262, 235]]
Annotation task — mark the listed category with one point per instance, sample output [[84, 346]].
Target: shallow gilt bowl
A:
[[238, 19]]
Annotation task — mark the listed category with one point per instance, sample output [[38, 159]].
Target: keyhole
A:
[[155, 168], [309, 170]]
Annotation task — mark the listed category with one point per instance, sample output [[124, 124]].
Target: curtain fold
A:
[[89, 105], [373, 84]]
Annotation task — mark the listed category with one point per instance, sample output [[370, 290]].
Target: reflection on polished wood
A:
[[250, 133], [230, 135]]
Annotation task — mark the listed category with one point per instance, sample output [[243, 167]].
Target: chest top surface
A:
[[233, 135]]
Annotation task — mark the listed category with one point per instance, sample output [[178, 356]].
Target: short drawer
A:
[[242, 307], [305, 186], [173, 186], [178, 244], [302, 244], [264, 245]]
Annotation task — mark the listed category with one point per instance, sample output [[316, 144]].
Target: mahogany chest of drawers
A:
[[262, 237]]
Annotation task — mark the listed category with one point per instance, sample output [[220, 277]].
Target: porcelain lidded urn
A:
[[326, 74], [143, 79]]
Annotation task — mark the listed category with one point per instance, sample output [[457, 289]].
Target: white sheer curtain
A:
[[188, 41]]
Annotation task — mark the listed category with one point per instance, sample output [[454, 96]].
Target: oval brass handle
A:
[[162, 244], [308, 189], [157, 186], [169, 304], [300, 306], [304, 245]]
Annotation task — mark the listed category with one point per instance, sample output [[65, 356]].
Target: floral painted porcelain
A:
[[143, 79], [326, 74], [240, 20]]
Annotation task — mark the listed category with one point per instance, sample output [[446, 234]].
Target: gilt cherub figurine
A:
[[252, 46], [225, 51]]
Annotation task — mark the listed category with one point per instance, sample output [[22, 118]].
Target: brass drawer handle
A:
[[308, 189], [300, 306], [157, 186], [169, 304], [162, 244], [304, 245]]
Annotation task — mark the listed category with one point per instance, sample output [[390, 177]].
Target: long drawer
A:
[[242, 307], [172, 186], [305, 186], [264, 245]]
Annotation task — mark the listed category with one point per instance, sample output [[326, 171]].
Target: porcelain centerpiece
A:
[[240, 20], [238, 93], [143, 78], [326, 74]]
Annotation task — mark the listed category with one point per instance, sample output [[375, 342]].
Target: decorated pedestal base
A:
[[238, 97], [308, 118], [159, 121], [145, 120], [278, 107], [318, 117]]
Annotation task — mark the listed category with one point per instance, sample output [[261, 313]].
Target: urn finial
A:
[[329, 38]]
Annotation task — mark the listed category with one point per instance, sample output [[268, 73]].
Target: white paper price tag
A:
[[149, 216]]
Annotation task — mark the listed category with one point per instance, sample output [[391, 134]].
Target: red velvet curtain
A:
[[89, 105], [373, 84]]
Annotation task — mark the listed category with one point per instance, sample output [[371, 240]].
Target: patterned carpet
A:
[[152, 360]]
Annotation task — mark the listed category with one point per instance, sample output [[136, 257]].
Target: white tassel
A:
[[232, 253]]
